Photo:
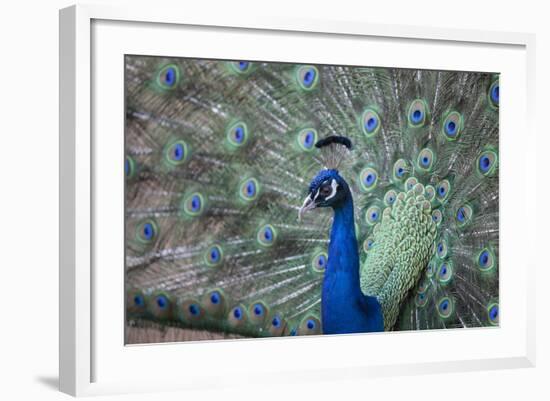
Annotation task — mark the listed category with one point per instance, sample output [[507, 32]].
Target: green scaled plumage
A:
[[219, 156]]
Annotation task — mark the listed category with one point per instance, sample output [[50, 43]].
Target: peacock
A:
[[271, 199]]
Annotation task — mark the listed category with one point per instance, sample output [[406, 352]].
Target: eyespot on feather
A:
[[307, 77]]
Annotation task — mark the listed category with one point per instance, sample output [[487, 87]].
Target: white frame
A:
[[76, 170]]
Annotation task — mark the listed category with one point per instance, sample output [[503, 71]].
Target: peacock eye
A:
[[441, 249], [445, 307], [176, 152], [241, 67], [168, 77], [213, 255], [368, 179], [237, 316], [194, 309], [249, 189], [325, 190], [237, 134], [425, 159], [307, 138], [429, 193], [307, 77], [213, 304], [162, 301], [309, 325], [452, 126], [258, 313], [266, 235], [486, 260], [410, 183], [390, 197], [319, 262], [437, 216], [147, 231], [193, 204], [442, 190], [191, 310], [370, 122], [278, 324], [421, 299], [372, 215], [464, 215], [487, 163], [494, 93], [215, 297], [368, 244], [417, 113], [445, 272], [399, 169], [493, 312], [138, 300]]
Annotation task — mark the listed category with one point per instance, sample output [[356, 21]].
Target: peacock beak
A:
[[308, 205]]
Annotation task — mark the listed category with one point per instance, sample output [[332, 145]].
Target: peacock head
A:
[[327, 189]]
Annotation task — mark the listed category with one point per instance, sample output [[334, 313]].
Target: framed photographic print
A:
[[241, 192]]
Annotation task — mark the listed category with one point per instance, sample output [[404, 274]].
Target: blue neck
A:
[[343, 252], [344, 307]]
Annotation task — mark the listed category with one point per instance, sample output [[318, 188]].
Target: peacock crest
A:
[[222, 157]]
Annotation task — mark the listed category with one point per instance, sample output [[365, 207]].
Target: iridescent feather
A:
[[220, 154]]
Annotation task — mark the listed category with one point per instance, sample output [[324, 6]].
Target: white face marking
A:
[[334, 186], [316, 194]]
